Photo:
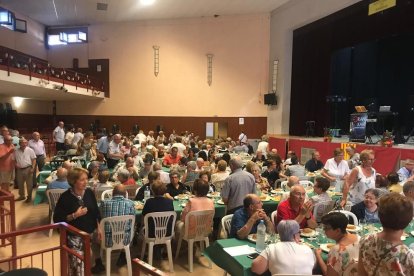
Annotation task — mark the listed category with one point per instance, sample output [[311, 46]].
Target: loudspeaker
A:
[[159, 128], [270, 99]]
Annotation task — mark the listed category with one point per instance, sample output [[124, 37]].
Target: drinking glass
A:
[[362, 227], [319, 234]]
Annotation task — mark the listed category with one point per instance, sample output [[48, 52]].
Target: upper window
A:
[[7, 19], [66, 35]]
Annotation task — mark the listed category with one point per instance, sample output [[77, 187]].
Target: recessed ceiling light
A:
[[147, 2]]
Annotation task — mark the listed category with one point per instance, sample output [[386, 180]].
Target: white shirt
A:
[[77, 137], [335, 170], [243, 138], [38, 147], [289, 258], [69, 137], [150, 139], [114, 148], [141, 137], [164, 177], [262, 146], [181, 148], [59, 134], [24, 157]]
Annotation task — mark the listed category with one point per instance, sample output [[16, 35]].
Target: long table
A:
[[240, 265]]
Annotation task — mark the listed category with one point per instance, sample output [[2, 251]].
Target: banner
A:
[[357, 127]]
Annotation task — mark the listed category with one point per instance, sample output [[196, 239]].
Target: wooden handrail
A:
[[139, 266], [60, 225]]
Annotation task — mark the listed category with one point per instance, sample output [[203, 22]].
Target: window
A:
[[7, 19], [66, 35]]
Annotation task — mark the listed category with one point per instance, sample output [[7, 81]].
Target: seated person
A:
[[287, 257], [61, 182], [408, 190], [345, 253], [171, 158], [394, 185], [206, 176], [143, 173], [368, 208], [199, 164], [295, 208], [103, 177], [245, 220], [53, 175], [158, 203], [152, 176], [381, 184], [198, 203], [175, 187], [261, 182], [321, 186], [295, 169], [272, 173], [221, 173], [383, 253], [124, 178], [314, 164], [259, 157], [129, 165], [190, 174], [164, 176]]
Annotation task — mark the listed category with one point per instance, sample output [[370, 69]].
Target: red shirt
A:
[[285, 212], [169, 160], [6, 163]]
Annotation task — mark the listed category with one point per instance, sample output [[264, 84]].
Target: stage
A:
[[386, 159]]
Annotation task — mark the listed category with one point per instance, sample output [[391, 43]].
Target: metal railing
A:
[[7, 220], [54, 260], [17, 62]]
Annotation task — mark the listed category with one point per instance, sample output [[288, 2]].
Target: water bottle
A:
[[211, 190], [260, 236], [147, 194]]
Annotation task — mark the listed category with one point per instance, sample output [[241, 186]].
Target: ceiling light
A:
[[17, 101], [146, 2]]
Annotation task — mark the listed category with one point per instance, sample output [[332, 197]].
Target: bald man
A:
[[38, 146], [61, 182], [6, 162], [119, 205], [53, 175], [295, 208]]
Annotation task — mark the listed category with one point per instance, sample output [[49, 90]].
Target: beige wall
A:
[[240, 45], [31, 42], [29, 106], [284, 20]]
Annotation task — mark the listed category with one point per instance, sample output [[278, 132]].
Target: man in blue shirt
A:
[[119, 205], [406, 173], [103, 144], [61, 182], [246, 219]]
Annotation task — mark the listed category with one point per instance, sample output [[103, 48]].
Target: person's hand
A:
[[343, 203], [306, 208], [81, 212], [318, 251], [12, 148], [332, 179], [262, 214], [99, 237], [256, 215]]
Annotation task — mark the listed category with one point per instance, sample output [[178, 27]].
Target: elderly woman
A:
[[353, 157], [78, 207], [361, 178], [336, 169], [289, 256], [221, 173], [206, 176], [383, 253], [198, 203], [190, 174], [344, 254], [93, 171], [261, 183], [368, 208]]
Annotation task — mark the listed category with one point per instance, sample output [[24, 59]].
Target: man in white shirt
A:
[[25, 164], [77, 137], [141, 137], [69, 137], [150, 137], [263, 146], [37, 145], [336, 169], [114, 151], [180, 146], [243, 138], [59, 137]]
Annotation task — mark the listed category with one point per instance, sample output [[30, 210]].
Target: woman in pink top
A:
[[198, 203]]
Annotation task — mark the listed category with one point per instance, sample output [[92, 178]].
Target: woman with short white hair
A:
[[289, 256]]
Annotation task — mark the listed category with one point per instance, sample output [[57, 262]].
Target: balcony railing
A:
[[17, 62]]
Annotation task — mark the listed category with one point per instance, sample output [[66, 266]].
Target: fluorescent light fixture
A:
[[17, 101], [55, 40], [146, 2]]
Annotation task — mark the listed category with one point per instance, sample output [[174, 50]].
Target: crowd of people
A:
[[199, 167]]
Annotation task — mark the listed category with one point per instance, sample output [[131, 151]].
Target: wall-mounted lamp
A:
[[156, 59], [210, 69]]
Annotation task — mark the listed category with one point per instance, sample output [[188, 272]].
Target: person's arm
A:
[[260, 265], [270, 228], [244, 230], [6, 155], [320, 261], [325, 174], [347, 184], [225, 191], [186, 209]]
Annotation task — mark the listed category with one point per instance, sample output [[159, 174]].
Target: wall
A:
[[29, 106], [294, 14], [31, 42], [240, 45]]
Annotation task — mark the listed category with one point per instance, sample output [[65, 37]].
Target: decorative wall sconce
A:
[[156, 59], [274, 75], [209, 69]]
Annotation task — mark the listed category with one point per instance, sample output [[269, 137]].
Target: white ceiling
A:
[[79, 12]]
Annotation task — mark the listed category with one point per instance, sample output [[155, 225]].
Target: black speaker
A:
[[270, 99], [135, 129], [159, 128]]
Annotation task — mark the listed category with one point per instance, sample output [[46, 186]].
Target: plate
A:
[[308, 235], [325, 248], [252, 237], [412, 233], [337, 193], [277, 198], [215, 194], [267, 198], [276, 191], [183, 205], [181, 197], [357, 228], [220, 202]]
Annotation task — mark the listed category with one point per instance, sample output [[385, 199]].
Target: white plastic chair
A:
[[306, 184], [203, 226], [53, 196], [131, 190], [160, 220], [322, 208], [107, 194], [219, 185], [273, 217], [349, 214], [117, 226], [99, 191], [226, 225], [283, 185]]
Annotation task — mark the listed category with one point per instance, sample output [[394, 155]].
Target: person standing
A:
[[114, 152], [6, 163], [243, 138], [59, 137], [37, 145], [25, 163]]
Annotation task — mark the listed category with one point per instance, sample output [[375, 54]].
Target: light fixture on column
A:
[[156, 59], [274, 75], [209, 69]]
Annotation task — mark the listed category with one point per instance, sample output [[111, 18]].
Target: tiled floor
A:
[[28, 215]]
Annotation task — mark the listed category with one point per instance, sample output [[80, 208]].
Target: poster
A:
[[357, 127]]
